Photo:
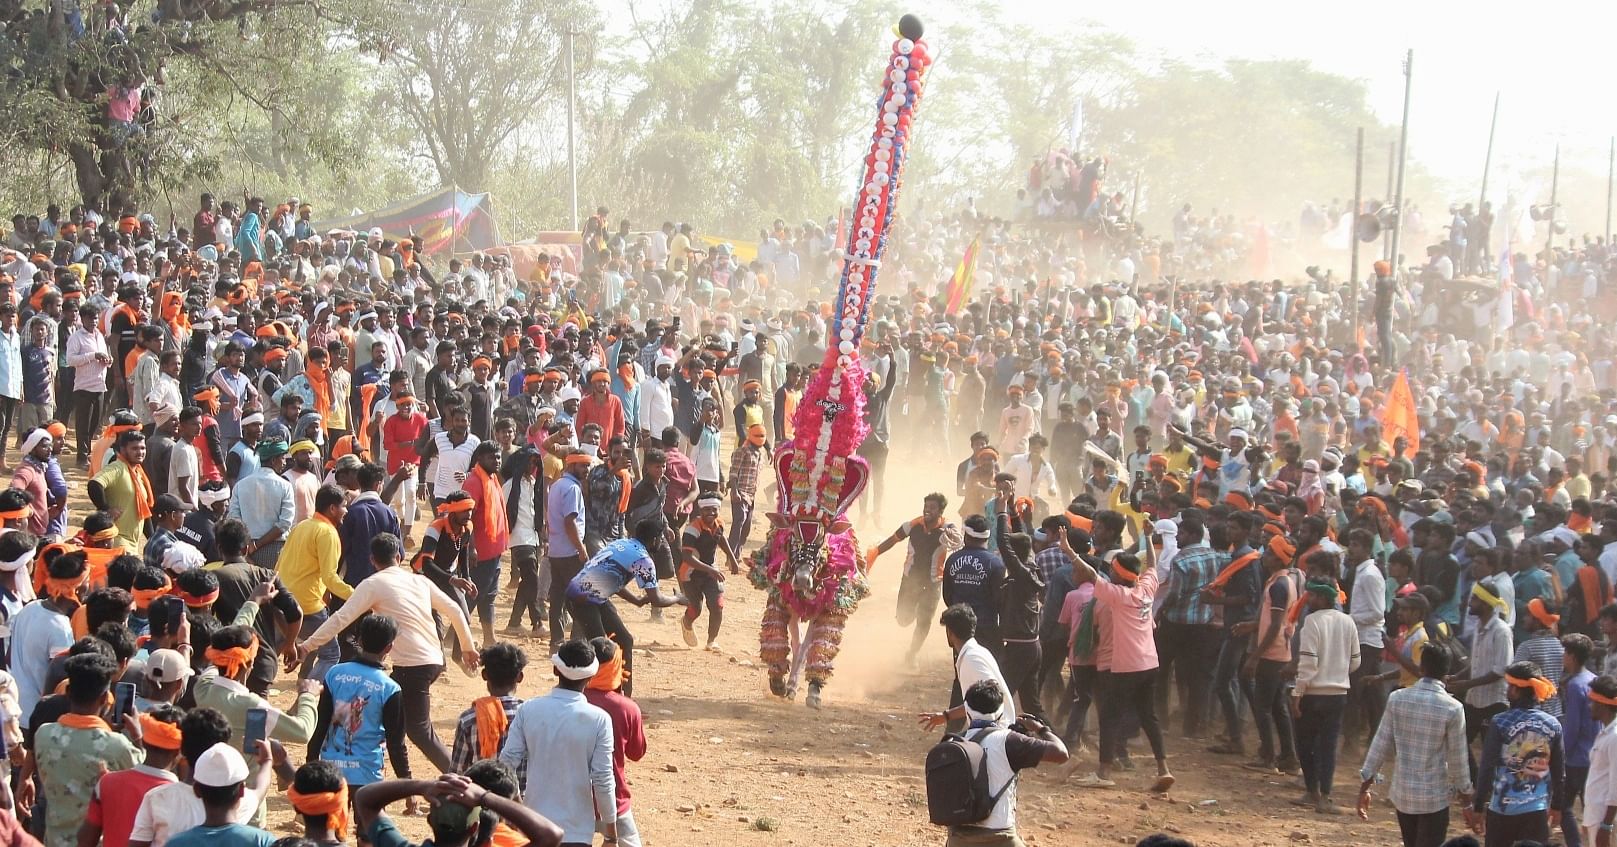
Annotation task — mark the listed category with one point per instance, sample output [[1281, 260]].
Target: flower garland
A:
[[830, 419]]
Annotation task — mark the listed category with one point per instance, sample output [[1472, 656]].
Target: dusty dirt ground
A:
[[729, 764]]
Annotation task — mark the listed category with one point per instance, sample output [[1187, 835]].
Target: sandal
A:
[[1092, 781], [1163, 783]]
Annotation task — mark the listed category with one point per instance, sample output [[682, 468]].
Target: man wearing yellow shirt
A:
[[679, 249], [122, 490], [1181, 459], [308, 568]]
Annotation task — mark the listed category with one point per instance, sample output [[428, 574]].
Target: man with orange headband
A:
[[608, 691], [73, 752], [601, 406], [1542, 646], [1519, 779]]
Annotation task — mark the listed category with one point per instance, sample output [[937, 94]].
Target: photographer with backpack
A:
[[971, 778]]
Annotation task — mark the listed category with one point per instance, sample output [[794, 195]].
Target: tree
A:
[[466, 77]]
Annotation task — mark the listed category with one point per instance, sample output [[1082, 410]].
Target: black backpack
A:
[[957, 791]]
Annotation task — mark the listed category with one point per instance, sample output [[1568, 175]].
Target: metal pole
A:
[[1358, 200], [1392, 170], [572, 136], [1611, 170], [1487, 160], [1403, 156], [1549, 240]]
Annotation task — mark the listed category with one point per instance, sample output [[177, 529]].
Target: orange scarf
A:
[[144, 499], [332, 804], [320, 386], [77, 721], [610, 676], [233, 659], [623, 495], [491, 724], [1231, 569], [1595, 595], [1579, 523], [367, 400], [505, 836]]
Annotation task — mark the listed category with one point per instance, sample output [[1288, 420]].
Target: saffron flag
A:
[[1399, 418], [960, 283]]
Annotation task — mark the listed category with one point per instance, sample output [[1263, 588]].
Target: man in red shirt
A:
[[111, 815], [399, 433], [601, 406], [680, 474], [491, 530], [604, 691]]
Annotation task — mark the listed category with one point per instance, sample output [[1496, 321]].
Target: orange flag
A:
[[1399, 416]]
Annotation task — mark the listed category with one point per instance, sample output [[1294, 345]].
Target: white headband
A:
[[709, 500], [575, 674], [973, 533], [19, 563], [994, 717], [254, 418], [209, 497], [34, 440]]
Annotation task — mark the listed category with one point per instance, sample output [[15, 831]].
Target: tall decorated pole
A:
[[810, 566], [830, 423]]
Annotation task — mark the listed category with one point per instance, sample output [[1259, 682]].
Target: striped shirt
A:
[[1047, 561], [1490, 653], [1543, 649], [1426, 727], [1192, 569]]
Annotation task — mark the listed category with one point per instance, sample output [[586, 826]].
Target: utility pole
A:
[[1386, 199], [1487, 160], [1549, 240], [1358, 202], [1403, 157], [572, 134]]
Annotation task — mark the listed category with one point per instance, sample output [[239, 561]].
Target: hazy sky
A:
[[1464, 53]]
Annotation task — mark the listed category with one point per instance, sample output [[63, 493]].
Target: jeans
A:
[[1270, 712], [1126, 692], [316, 664], [562, 571], [1319, 726], [1229, 685], [1193, 648], [740, 523], [601, 620], [1476, 723], [486, 577], [1052, 658], [1571, 789], [1019, 663], [1510, 830], [1426, 830], [1366, 698], [1080, 694], [86, 420], [525, 561], [416, 684]]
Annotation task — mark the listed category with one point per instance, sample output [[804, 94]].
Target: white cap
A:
[[569, 392], [219, 766], [166, 666], [1238, 433], [376, 232], [181, 557], [1478, 539]]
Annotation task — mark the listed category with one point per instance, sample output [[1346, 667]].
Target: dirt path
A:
[[728, 764]]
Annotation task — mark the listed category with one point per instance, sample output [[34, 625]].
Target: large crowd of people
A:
[[1332, 512]]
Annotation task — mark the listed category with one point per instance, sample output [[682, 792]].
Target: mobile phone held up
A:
[[257, 730], [123, 701]]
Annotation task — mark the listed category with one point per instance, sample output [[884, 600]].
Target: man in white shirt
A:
[[411, 600], [562, 726], [1035, 476], [1368, 601], [1327, 656], [972, 664], [525, 503], [184, 475], [656, 412], [88, 356]]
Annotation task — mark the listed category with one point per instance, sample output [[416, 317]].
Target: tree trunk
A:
[[104, 175]]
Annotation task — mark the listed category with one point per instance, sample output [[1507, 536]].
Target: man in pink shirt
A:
[[1126, 659]]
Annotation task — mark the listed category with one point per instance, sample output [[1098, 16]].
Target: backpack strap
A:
[[993, 799]]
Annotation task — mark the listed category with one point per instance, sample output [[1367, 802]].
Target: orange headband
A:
[[1541, 613], [1597, 697], [483, 359], [579, 459], [57, 429], [66, 589], [332, 804], [457, 506], [159, 734], [532, 379], [145, 596], [600, 376], [610, 675], [1124, 575], [1286, 550], [20, 513], [198, 601], [107, 534], [1542, 688], [233, 659]]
